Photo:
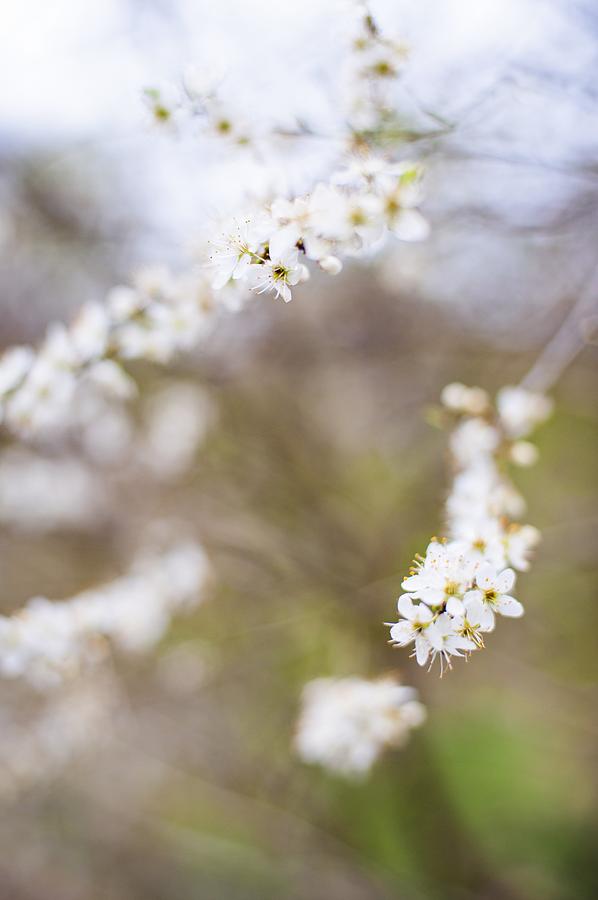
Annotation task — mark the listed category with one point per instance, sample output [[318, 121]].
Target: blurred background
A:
[[298, 446]]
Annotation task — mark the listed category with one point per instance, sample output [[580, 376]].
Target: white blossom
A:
[[462, 399], [46, 641], [233, 251], [279, 275], [14, 365], [492, 590], [521, 410], [442, 575], [520, 541], [464, 582], [473, 438], [346, 723], [417, 626]]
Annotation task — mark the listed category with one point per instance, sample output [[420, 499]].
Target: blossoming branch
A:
[[347, 217], [454, 592], [47, 641]]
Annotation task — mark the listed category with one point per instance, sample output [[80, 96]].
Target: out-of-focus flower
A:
[[459, 398], [39, 494], [176, 421], [521, 410], [46, 642], [346, 723]]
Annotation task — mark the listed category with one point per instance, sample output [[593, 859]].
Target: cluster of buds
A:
[[454, 592]]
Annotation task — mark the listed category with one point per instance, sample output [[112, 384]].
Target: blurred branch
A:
[[566, 343]]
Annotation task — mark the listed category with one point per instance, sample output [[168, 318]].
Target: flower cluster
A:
[[454, 592], [46, 641], [346, 723], [206, 102], [153, 319], [347, 217], [199, 102], [372, 70]]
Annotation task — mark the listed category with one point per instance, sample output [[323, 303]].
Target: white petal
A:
[[474, 609], [242, 266], [410, 225], [422, 613], [284, 291], [406, 607], [431, 595], [422, 650], [487, 620], [508, 606], [434, 636], [486, 578], [411, 583], [283, 240], [505, 581], [454, 606], [402, 633]]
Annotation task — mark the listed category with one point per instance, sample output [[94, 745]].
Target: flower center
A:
[[358, 217], [280, 273]]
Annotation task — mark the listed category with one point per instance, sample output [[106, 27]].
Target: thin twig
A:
[[566, 343]]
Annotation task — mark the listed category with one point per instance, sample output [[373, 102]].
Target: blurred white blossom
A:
[[346, 723], [48, 641]]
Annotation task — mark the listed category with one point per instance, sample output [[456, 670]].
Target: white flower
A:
[[294, 221], [112, 378], [476, 494], [450, 641], [520, 541], [353, 219], [44, 398], [125, 302], [521, 410], [372, 173], [89, 332], [522, 453], [400, 201], [14, 365], [239, 245], [346, 723], [492, 589], [459, 398], [474, 621], [482, 539], [279, 274], [417, 625], [442, 576], [473, 438]]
